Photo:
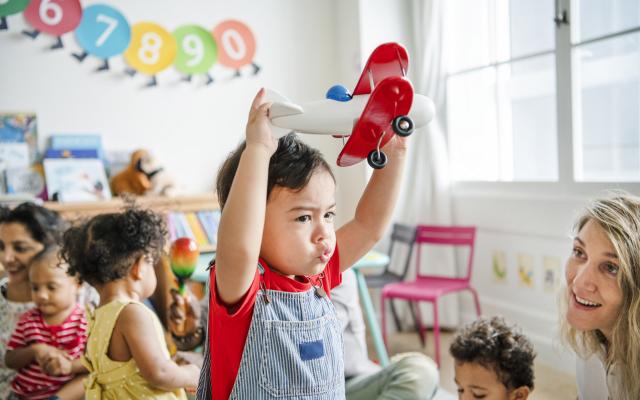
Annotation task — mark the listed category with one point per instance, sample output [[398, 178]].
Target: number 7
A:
[[111, 26]]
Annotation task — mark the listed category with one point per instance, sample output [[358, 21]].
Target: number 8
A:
[[150, 48]]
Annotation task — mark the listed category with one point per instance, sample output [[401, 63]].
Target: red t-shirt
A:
[[70, 336], [228, 332]]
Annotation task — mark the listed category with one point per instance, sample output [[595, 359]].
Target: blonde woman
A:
[[601, 304]]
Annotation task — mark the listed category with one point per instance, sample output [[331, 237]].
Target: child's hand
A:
[[58, 365], [44, 352], [397, 144], [258, 129], [184, 313], [194, 372]]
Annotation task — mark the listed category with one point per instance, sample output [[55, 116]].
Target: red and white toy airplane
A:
[[383, 103]]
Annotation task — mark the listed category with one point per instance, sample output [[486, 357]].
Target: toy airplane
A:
[[382, 103]]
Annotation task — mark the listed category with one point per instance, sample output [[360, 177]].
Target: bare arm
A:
[[137, 328], [242, 220], [39, 352], [20, 358], [375, 207]]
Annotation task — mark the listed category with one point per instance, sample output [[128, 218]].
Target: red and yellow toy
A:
[[183, 255]]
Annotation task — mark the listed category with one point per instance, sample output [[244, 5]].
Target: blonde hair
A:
[[619, 217]]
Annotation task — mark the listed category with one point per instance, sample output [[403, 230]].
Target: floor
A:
[[549, 383]]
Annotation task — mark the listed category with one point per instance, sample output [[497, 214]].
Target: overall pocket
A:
[[301, 358]]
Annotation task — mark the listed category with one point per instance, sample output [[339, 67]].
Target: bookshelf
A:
[[167, 206]]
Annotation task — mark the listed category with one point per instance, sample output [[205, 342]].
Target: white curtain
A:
[[426, 196]]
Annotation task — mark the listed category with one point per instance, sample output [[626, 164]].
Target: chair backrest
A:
[[446, 235], [405, 234]]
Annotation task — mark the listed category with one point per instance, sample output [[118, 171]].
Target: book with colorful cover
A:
[[71, 153], [184, 226], [201, 237], [209, 221], [18, 140], [171, 228], [177, 226], [76, 179], [78, 142]]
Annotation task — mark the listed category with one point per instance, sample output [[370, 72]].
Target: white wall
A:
[[189, 128], [536, 226]]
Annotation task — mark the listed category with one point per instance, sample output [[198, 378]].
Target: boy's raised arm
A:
[[242, 220], [375, 207]]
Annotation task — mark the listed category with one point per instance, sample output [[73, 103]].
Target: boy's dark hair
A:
[[499, 347], [291, 166], [104, 248], [45, 226]]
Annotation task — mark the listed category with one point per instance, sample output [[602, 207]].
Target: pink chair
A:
[[429, 287]]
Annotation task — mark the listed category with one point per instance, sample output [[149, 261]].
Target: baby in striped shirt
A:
[[48, 341]]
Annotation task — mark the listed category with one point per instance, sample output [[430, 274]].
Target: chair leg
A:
[[418, 319], [415, 325], [436, 332], [394, 313], [383, 320], [476, 300]]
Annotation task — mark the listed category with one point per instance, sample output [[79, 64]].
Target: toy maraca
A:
[[184, 258]]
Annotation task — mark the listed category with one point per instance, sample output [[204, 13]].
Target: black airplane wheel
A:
[[402, 125], [377, 159]]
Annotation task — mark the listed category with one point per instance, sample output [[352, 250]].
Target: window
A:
[[607, 102], [502, 91]]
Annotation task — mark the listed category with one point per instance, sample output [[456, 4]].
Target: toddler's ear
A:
[[521, 393], [136, 270]]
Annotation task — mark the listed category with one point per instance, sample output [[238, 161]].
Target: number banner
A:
[[103, 31], [152, 48], [236, 42], [55, 17], [197, 51], [10, 7]]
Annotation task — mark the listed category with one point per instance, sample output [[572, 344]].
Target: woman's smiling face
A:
[[595, 296], [17, 248]]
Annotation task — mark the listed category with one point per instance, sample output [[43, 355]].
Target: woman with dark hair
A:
[[25, 231]]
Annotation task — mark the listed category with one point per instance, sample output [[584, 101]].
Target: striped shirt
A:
[[70, 336]]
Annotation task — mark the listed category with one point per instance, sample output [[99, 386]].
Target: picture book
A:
[[76, 179], [18, 139]]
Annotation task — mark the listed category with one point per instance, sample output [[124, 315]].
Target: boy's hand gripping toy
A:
[[383, 103], [184, 258]]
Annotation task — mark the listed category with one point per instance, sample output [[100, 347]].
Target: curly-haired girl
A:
[[492, 360], [126, 354]]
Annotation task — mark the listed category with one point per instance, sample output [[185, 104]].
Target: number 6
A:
[[43, 11]]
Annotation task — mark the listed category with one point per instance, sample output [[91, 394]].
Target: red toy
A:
[[382, 103]]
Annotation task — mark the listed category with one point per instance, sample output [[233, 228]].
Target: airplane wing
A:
[[391, 98], [388, 59]]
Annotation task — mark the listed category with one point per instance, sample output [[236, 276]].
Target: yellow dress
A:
[[118, 380]]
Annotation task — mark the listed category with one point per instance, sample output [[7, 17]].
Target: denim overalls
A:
[[293, 350]]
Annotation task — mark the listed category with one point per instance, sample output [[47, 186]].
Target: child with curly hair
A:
[[127, 356], [492, 361], [49, 339]]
